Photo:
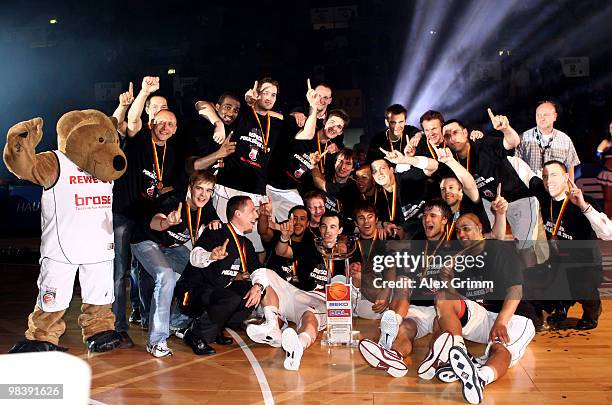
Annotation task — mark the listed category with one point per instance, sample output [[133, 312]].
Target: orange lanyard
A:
[[295, 263], [467, 167], [401, 140], [558, 221], [431, 151], [394, 204], [267, 136], [158, 170], [241, 248], [449, 231], [188, 209], [322, 154], [367, 258]]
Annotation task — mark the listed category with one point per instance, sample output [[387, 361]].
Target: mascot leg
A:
[[44, 331], [97, 320]]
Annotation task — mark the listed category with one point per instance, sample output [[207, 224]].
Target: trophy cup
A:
[[338, 293]]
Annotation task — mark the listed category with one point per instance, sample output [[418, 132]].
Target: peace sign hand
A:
[[575, 195], [444, 154], [219, 252], [394, 156]]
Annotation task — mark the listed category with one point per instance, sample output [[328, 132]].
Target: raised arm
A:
[[501, 123], [150, 84], [310, 126]]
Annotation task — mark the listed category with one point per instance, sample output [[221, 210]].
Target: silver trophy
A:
[[338, 291]]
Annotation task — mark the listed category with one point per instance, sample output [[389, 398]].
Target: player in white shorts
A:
[[284, 303], [411, 314], [493, 322]]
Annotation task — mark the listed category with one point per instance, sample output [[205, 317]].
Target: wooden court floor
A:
[[559, 367]]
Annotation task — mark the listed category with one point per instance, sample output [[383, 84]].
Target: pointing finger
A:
[[179, 208], [131, 88], [255, 86], [308, 83], [384, 151], [499, 188], [491, 115]]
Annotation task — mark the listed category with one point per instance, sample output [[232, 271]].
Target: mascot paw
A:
[[26, 346], [104, 341]]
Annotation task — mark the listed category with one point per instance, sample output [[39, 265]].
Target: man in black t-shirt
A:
[[474, 311], [487, 161], [257, 130], [397, 135], [208, 143], [162, 242], [215, 288], [569, 216], [151, 172]]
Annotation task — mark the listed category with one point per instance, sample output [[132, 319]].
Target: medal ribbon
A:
[[367, 258], [449, 230], [558, 221], [241, 248], [322, 154], [158, 170], [267, 136], [188, 209], [394, 204], [401, 141]]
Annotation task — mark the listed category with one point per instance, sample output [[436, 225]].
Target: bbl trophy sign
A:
[[338, 291]]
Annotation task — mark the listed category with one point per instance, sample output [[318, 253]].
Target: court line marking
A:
[[141, 377], [261, 377]]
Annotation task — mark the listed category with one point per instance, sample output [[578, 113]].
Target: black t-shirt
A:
[[177, 234], [300, 266], [246, 169], [426, 276], [410, 197], [290, 164], [221, 273], [469, 207], [381, 140], [498, 263], [489, 165], [137, 188]]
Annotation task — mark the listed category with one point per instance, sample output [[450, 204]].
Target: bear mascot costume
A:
[[77, 224]]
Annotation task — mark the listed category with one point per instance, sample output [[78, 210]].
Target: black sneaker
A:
[[198, 346], [466, 370], [126, 341]]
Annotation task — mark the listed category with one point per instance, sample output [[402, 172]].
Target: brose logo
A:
[[92, 200]]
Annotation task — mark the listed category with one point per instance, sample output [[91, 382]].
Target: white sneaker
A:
[[382, 359], [160, 349], [436, 357], [293, 349], [388, 329], [265, 333], [466, 370]]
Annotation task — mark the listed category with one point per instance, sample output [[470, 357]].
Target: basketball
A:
[[338, 291]]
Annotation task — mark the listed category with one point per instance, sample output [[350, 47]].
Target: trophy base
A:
[[340, 339]]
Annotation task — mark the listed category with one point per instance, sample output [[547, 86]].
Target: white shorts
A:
[[56, 282], [423, 317], [479, 324], [362, 307], [293, 302], [282, 201], [220, 199]]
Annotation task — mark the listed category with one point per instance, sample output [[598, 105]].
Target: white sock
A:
[[304, 339], [399, 319], [487, 374], [458, 340], [271, 315]]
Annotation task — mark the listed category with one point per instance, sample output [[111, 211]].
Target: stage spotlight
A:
[[433, 32], [171, 71], [53, 21]]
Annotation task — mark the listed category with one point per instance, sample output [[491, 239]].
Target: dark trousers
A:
[[222, 307]]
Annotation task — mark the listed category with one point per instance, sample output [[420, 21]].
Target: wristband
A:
[[589, 206], [261, 287], [283, 241]]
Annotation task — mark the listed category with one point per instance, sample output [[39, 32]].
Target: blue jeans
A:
[[123, 227], [161, 263]]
